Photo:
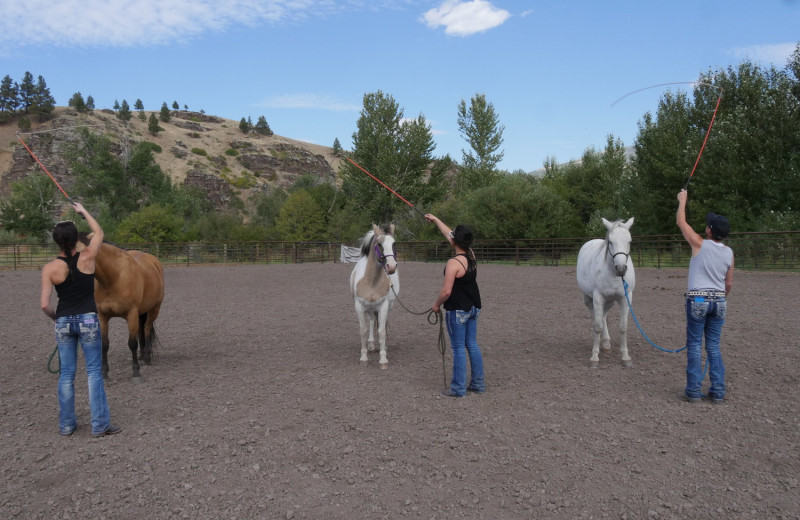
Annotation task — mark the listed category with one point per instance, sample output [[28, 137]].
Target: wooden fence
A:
[[779, 251]]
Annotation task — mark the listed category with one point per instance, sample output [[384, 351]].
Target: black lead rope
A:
[[434, 317]]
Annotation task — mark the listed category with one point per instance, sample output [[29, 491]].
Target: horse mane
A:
[[366, 242]]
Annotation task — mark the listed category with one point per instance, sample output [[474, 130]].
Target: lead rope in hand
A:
[[50, 361], [434, 317]]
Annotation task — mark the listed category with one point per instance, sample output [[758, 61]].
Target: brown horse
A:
[[128, 284]]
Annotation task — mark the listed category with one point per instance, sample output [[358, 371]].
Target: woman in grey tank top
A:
[[710, 281]]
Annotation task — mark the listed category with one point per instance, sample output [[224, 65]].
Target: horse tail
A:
[[366, 242]]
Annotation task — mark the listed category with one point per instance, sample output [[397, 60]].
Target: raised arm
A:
[[443, 228], [694, 240], [90, 253]]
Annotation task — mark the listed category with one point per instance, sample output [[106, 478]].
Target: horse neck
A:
[[106, 265], [374, 270]]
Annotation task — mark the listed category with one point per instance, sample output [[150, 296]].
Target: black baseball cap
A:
[[720, 227]]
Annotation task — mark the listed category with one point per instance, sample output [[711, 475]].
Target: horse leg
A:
[[149, 330], [362, 329], [606, 342], [141, 336], [104, 340], [372, 318], [382, 316], [133, 344], [623, 333], [596, 305]]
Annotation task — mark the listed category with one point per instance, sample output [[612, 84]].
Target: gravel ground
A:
[[256, 406]]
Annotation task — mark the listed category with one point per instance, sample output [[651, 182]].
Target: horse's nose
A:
[[391, 268], [621, 269]]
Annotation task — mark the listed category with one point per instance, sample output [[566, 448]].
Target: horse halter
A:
[[614, 255], [381, 256]]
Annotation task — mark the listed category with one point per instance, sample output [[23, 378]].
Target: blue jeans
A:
[[70, 330], [462, 326], [704, 317]]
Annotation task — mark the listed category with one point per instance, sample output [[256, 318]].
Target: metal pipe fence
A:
[[777, 251]]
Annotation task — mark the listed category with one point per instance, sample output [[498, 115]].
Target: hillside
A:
[[193, 152]]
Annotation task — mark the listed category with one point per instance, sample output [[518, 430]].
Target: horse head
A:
[[618, 244], [384, 247]]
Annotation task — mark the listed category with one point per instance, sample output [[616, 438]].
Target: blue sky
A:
[[552, 69]]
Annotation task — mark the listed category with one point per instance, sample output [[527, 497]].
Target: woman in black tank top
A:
[[461, 299], [71, 274]]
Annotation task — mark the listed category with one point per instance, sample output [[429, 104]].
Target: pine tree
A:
[[89, 103], [165, 115], [244, 126], [26, 92], [124, 112], [9, 96], [262, 127], [77, 102], [152, 125], [175, 105]]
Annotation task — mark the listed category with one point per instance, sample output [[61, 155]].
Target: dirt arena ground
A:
[[256, 406]]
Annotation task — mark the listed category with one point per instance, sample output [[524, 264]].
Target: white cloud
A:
[[130, 23], [313, 101], [461, 18], [777, 54]]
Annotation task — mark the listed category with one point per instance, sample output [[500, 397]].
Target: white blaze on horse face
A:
[[388, 248]]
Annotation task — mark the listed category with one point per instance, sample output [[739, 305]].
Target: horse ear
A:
[[376, 229], [606, 223], [628, 224], [391, 228]]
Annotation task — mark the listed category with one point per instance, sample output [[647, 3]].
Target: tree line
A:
[[749, 171]]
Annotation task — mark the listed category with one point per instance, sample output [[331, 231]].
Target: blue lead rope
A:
[[625, 286]]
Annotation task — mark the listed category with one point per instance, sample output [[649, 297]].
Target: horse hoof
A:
[[137, 380], [384, 366], [594, 364], [627, 364]]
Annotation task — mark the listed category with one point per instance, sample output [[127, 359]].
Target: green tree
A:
[[9, 96], [43, 102], [244, 126], [337, 147], [154, 223], [175, 105], [518, 206], [262, 127], [152, 125], [24, 123], [592, 185], [139, 107], [124, 112], [116, 105], [301, 218], [480, 126], [750, 167], [26, 92], [77, 102], [164, 115], [28, 210], [89, 103], [117, 188], [394, 150]]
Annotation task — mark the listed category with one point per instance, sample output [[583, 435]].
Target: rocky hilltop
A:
[[196, 149]]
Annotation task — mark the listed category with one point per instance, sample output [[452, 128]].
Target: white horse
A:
[[372, 280], [602, 264]]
